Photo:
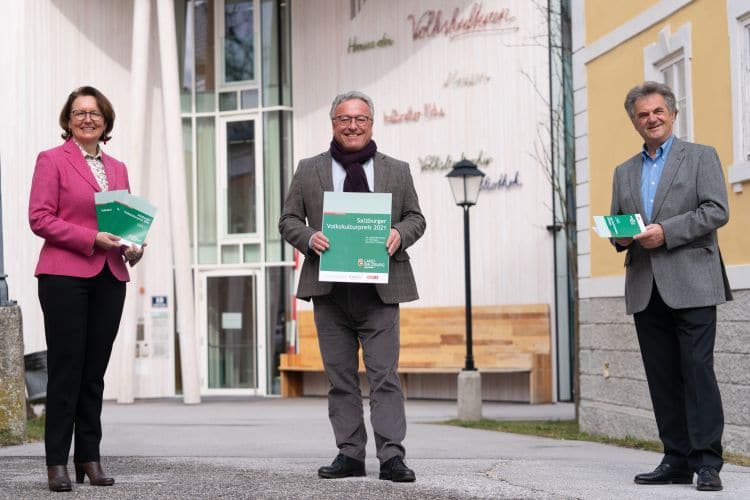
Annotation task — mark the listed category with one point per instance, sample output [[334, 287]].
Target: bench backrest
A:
[[504, 337]]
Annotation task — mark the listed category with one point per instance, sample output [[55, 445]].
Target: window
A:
[[277, 59], [673, 74], [235, 90], [668, 61], [745, 91], [202, 31], [240, 180], [239, 41], [739, 45]]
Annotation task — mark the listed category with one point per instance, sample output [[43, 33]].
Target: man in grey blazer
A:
[[349, 315], [674, 278]]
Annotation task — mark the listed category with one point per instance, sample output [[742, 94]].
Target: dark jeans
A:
[[81, 318], [677, 347]]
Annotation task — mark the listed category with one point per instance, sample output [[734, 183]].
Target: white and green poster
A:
[[124, 215], [357, 226], [618, 226]]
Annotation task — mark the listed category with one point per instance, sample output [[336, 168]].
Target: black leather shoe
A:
[[708, 479], [665, 474], [396, 470], [342, 466]]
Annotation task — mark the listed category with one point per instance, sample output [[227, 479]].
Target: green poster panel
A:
[[357, 226]]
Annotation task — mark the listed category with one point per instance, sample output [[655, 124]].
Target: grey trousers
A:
[[351, 315]]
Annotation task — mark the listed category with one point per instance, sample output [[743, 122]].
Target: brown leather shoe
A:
[[95, 473], [57, 478]]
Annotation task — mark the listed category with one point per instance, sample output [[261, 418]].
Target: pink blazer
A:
[[61, 210]]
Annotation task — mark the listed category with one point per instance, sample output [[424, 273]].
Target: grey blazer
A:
[[690, 204], [302, 216]]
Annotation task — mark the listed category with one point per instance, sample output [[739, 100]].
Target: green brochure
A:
[[357, 226], [618, 226], [124, 215]]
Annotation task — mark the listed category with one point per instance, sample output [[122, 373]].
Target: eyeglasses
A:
[[79, 115], [346, 119]]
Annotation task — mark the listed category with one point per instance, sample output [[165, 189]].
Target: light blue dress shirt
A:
[[339, 175], [651, 173]]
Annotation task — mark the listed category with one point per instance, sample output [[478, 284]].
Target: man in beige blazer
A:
[[674, 278], [348, 315]]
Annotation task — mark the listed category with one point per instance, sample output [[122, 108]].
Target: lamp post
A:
[[4, 301], [465, 180]]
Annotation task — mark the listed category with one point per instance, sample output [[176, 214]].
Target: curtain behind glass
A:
[[276, 53], [206, 186], [204, 65], [187, 154], [277, 164]]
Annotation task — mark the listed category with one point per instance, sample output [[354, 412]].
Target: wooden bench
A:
[[511, 351]]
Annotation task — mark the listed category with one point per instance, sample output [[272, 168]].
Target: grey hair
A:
[[646, 89], [348, 96]]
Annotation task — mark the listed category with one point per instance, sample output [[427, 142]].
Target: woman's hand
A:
[[106, 241], [133, 254]]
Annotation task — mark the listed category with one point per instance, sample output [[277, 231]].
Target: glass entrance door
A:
[[231, 341]]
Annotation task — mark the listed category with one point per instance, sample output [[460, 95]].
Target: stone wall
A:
[[12, 385], [614, 395]]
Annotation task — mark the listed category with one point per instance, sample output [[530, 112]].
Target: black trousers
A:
[[81, 318], [677, 347]]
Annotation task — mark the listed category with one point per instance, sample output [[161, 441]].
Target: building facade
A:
[[217, 100], [701, 49]]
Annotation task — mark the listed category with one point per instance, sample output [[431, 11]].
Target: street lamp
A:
[[4, 301], [465, 180]]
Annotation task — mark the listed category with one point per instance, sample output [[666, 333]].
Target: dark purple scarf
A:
[[356, 180]]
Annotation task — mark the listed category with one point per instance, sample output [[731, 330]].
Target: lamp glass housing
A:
[[466, 180], [465, 188]]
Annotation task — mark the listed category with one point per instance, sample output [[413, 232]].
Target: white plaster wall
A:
[[511, 251], [49, 48]]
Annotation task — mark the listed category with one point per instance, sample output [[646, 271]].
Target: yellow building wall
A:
[[603, 16], [612, 138]]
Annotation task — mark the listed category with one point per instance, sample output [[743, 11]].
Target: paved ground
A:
[[271, 448]]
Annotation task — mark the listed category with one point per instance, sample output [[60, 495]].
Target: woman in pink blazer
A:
[[81, 276]]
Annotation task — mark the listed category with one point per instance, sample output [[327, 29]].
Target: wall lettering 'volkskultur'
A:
[[438, 163], [433, 23]]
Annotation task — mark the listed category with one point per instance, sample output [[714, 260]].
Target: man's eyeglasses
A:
[[79, 115], [346, 119]]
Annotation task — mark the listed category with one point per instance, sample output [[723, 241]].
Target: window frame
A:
[[664, 53], [221, 83], [738, 14], [222, 195]]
